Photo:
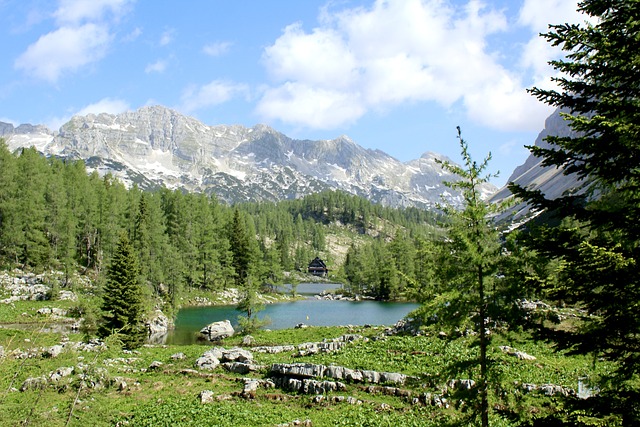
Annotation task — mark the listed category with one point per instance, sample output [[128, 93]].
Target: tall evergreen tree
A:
[[241, 248], [61, 223], [33, 174], [122, 304], [473, 245], [599, 95], [10, 229]]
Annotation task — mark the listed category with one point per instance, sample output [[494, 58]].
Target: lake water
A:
[[310, 311]]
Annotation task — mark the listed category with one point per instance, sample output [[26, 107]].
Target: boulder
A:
[[158, 323], [239, 367], [52, 311], [53, 351], [34, 383], [236, 355], [217, 330], [464, 384], [516, 353], [155, 365], [250, 388], [206, 396], [274, 349], [342, 373], [371, 376], [67, 296], [58, 374], [392, 377], [207, 363]]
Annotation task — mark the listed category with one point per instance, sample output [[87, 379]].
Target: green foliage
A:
[[597, 248], [122, 300], [169, 396], [250, 304], [189, 240], [468, 288]]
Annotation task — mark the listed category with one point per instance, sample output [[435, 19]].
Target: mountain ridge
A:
[[550, 180], [155, 146]]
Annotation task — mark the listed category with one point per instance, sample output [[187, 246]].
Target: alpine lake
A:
[[309, 311]]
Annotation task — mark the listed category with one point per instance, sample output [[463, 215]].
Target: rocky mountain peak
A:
[[155, 146]]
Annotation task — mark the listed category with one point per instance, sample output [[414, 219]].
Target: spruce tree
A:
[[241, 248], [122, 304], [599, 248]]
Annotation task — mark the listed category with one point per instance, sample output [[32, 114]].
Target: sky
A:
[[393, 75]]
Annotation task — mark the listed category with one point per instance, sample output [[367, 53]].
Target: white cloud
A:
[[214, 93], [67, 48], [156, 67], [538, 14], [167, 37], [311, 106], [74, 12], [394, 52], [321, 58], [217, 48], [105, 105], [55, 123], [82, 36], [133, 35]]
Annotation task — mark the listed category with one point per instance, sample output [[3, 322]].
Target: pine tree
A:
[[241, 248], [474, 248], [599, 95], [122, 305]]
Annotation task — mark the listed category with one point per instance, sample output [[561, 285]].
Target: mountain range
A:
[[155, 146]]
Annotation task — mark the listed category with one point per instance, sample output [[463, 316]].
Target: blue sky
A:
[[394, 75]]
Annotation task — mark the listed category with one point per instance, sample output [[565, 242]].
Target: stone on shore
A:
[[217, 330]]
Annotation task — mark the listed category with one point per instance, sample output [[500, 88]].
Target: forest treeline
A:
[[53, 215]]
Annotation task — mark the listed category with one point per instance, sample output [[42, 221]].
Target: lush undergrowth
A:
[[169, 394]]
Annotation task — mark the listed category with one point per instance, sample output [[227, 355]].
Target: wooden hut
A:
[[317, 267]]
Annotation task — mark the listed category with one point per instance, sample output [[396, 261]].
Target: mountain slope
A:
[[550, 180], [158, 146]]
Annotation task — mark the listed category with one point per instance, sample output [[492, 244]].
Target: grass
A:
[[169, 396]]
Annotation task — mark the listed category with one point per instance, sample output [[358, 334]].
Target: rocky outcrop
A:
[[158, 323], [158, 326], [550, 180], [27, 286], [234, 360], [217, 330], [309, 386], [547, 389], [516, 353], [81, 376], [251, 386], [305, 349], [310, 370]]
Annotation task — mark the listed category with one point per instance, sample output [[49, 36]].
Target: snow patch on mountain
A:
[[158, 146]]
